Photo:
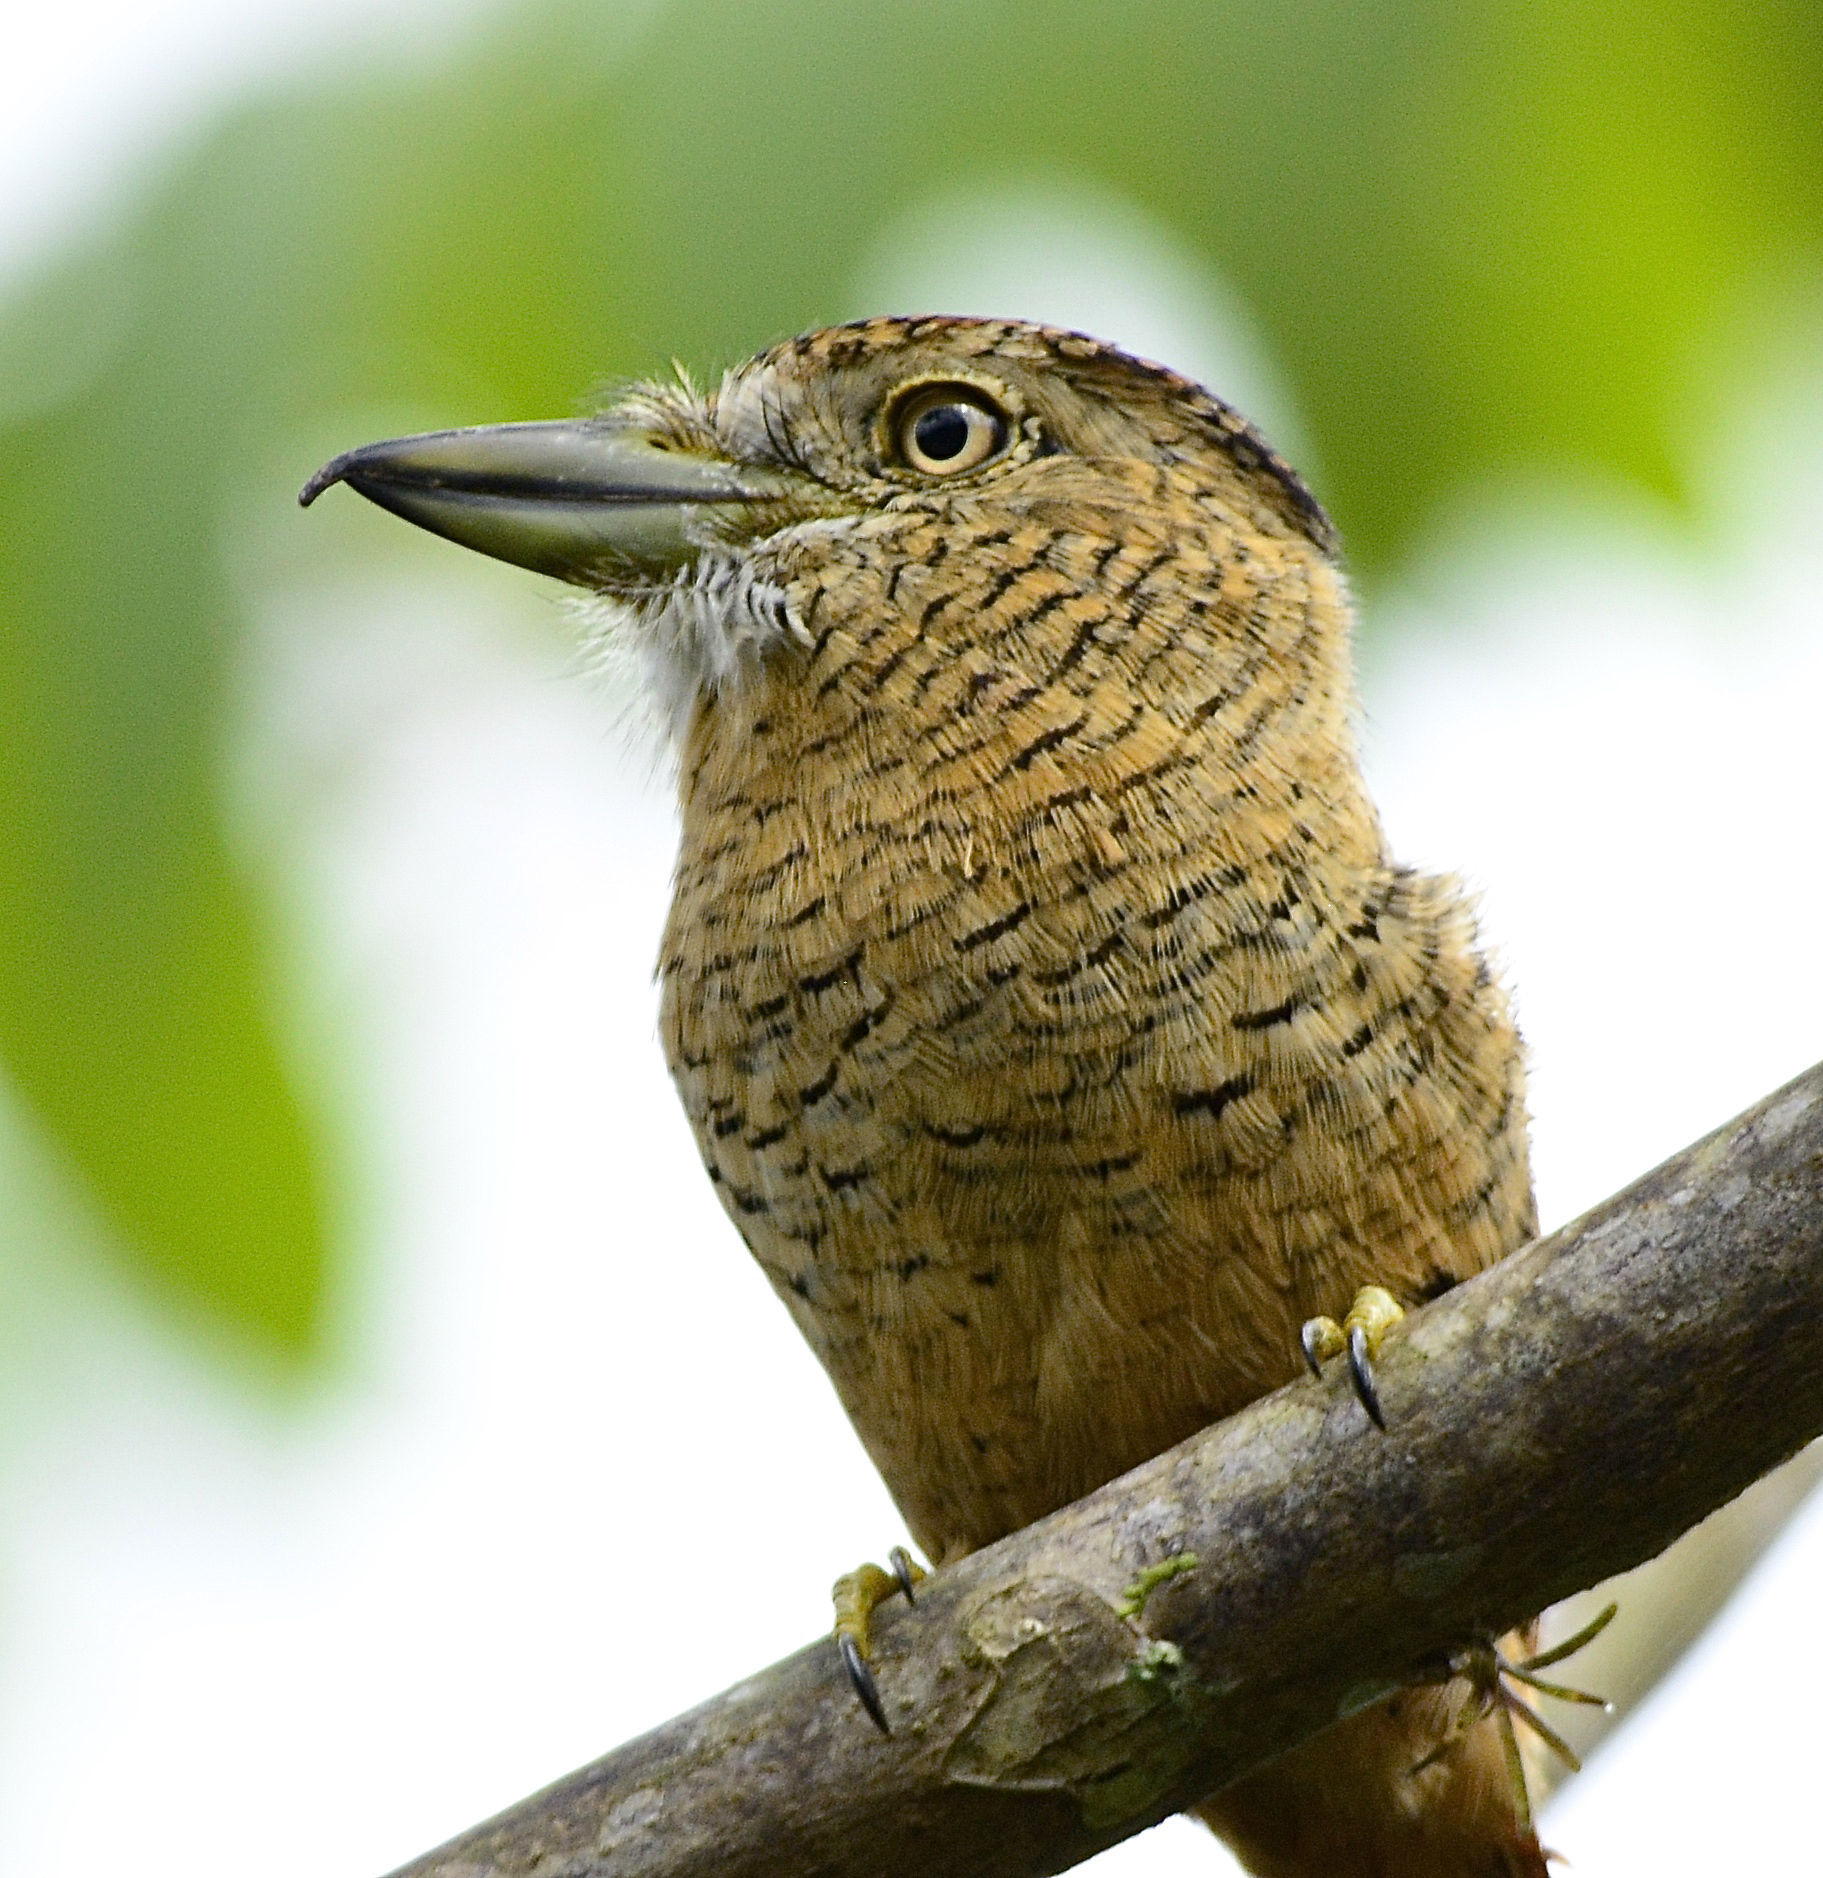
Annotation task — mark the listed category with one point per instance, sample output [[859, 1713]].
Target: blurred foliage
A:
[[1484, 237]]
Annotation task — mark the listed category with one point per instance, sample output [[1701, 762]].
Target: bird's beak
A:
[[584, 500]]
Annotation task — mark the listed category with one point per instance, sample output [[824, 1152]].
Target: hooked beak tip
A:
[[329, 474]]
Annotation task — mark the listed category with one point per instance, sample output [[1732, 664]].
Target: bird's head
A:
[[714, 520]]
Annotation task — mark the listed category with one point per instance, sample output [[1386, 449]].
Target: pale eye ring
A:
[[943, 430]]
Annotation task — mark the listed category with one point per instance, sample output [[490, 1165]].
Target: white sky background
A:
[[584, 1473]]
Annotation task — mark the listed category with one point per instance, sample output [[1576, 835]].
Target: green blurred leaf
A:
[[1486, 239], [132, 980]]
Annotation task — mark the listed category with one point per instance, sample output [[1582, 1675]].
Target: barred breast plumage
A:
[[1054, 1024]]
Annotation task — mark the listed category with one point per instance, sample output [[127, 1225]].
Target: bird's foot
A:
[[857, 1594], [1491, 1677], [1373, 1313]]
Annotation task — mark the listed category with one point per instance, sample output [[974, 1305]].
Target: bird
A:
[[1056, 1026]]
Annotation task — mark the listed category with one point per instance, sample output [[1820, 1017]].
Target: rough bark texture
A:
[[1552, 1422]]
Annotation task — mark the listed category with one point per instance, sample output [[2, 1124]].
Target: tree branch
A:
[[1554, 1421]]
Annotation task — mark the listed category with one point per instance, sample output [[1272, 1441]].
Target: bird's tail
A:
[[1401, 1790]]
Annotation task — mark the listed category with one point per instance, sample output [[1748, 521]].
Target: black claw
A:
[[1307, 1337], [861, 1678], [1361, 1368], [900, 1560]]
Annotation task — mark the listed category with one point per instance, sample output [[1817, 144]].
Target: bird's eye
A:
[[943, 430]]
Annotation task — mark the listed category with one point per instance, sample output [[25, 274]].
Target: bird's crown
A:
[[890, 405]]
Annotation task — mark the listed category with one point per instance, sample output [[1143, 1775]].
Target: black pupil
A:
[[942, 432]]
